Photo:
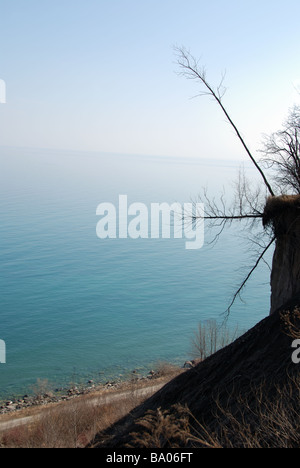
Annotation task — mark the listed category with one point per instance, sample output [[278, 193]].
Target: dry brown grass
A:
[[70, 425], [257, 421], [162, 428], [253, 421], [74, 423], [291, 322], [168, 370]]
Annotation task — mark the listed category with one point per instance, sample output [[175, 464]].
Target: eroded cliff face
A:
[[283, 213]]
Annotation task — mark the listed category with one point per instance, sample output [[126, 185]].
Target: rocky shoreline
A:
[[56, 396], [59, 395], [46, 397]]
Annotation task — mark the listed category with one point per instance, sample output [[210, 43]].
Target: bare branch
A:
[[191, 70], [282, 153], [247, 206]]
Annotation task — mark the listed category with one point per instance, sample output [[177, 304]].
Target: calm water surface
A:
[[75, 307]]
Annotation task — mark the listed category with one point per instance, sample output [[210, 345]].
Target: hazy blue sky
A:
[[100, 75]]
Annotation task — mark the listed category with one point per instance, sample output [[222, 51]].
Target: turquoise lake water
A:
[[75, 307]]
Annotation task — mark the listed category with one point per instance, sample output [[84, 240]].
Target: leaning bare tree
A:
[[260, 206]]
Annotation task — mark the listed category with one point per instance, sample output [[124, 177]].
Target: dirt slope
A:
[[260, 357]]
